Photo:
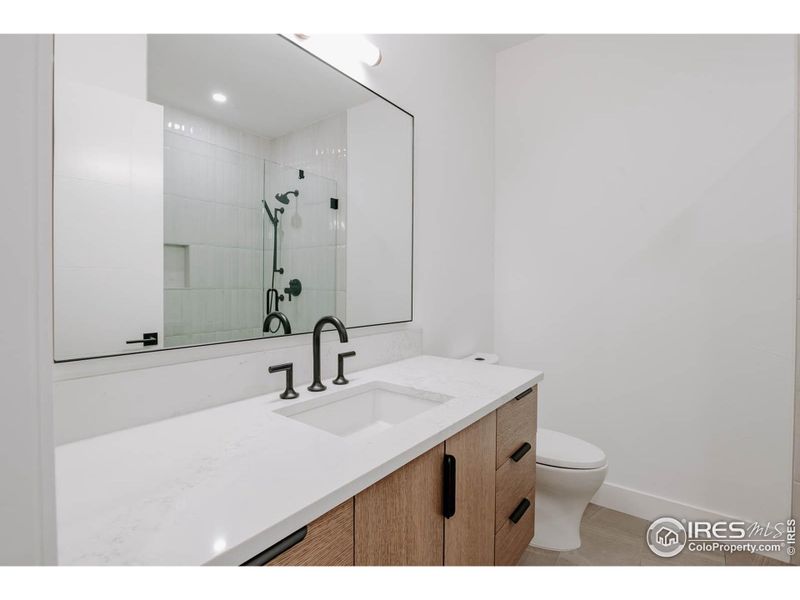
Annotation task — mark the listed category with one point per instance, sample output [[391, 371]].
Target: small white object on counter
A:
[[221, 485]]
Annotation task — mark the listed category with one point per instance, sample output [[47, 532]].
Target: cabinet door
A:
[[327, 541], [469, 533], [398, 521]]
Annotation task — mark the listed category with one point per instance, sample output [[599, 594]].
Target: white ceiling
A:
[[502, 41], [273, 87]]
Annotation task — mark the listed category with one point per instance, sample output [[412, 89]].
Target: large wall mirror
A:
[[203, 182]]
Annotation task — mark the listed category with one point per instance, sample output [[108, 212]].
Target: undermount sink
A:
[[363, 410]]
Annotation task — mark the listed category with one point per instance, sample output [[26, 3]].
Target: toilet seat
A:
[[556, 449]]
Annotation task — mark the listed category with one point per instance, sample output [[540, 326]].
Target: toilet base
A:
[[562, 496]]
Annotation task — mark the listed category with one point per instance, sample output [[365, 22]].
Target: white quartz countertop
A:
[[221, 485]]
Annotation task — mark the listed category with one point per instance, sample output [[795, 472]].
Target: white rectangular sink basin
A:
[[363, 410]]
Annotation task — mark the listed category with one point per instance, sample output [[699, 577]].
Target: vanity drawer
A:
[[516, 425], [512, 538], [514, 479], [328, 541]]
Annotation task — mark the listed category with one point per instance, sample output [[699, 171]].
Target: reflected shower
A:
[[284, 198], [273, 297]]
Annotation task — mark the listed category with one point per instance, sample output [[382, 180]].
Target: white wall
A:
[[108, 204], [447, 82], [645, 238], [116, 62], [27, 513], [379, 227]]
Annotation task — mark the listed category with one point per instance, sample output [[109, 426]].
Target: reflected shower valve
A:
[[295, 289]]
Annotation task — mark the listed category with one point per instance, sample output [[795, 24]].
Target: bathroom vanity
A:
[[426, 461], [259, 214]]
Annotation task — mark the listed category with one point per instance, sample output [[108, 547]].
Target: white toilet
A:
[[568, 473]]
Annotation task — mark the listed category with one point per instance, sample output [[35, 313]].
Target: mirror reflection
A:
[[267, 190]]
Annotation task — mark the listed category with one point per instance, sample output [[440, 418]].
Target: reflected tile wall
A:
[[214, 182], [213, 186]]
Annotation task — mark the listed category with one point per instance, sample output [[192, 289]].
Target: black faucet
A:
[[317, 386], [276, 314]]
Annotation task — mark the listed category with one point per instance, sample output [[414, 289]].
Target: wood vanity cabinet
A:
[[469, 533], [325, 542], [515, 480], [328, 542], [398, 521], [421, 515], [401, 519]]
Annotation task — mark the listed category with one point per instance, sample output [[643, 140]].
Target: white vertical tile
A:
[[217, 183]]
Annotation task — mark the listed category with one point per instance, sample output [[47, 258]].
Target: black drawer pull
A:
[[449, 500], [521, 451], [261, 559], [520, 510], [523, 394]]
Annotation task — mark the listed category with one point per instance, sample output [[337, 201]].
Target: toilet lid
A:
[[557, 449]]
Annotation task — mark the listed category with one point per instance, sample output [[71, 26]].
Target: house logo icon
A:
[[666, 537]]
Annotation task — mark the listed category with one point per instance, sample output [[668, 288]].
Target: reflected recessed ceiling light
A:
[[219, 97]]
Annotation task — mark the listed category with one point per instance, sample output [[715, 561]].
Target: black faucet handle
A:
[[340, 378], [289, 393]]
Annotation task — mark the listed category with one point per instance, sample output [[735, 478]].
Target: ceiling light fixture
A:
[[219, 97], [342, 48]]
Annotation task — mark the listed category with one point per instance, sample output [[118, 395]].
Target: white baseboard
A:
[[650, 507]]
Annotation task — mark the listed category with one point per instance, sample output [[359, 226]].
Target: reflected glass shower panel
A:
[[306, 245]]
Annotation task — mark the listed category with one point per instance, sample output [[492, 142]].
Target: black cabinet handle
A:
[[148, 339], [523, 394], [521, 451], [521, 509], [449, 503], [259, 560]]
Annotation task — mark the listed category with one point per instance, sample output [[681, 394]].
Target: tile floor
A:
[[612, 538]]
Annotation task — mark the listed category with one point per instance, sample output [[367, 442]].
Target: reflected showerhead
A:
[[284, 198]]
